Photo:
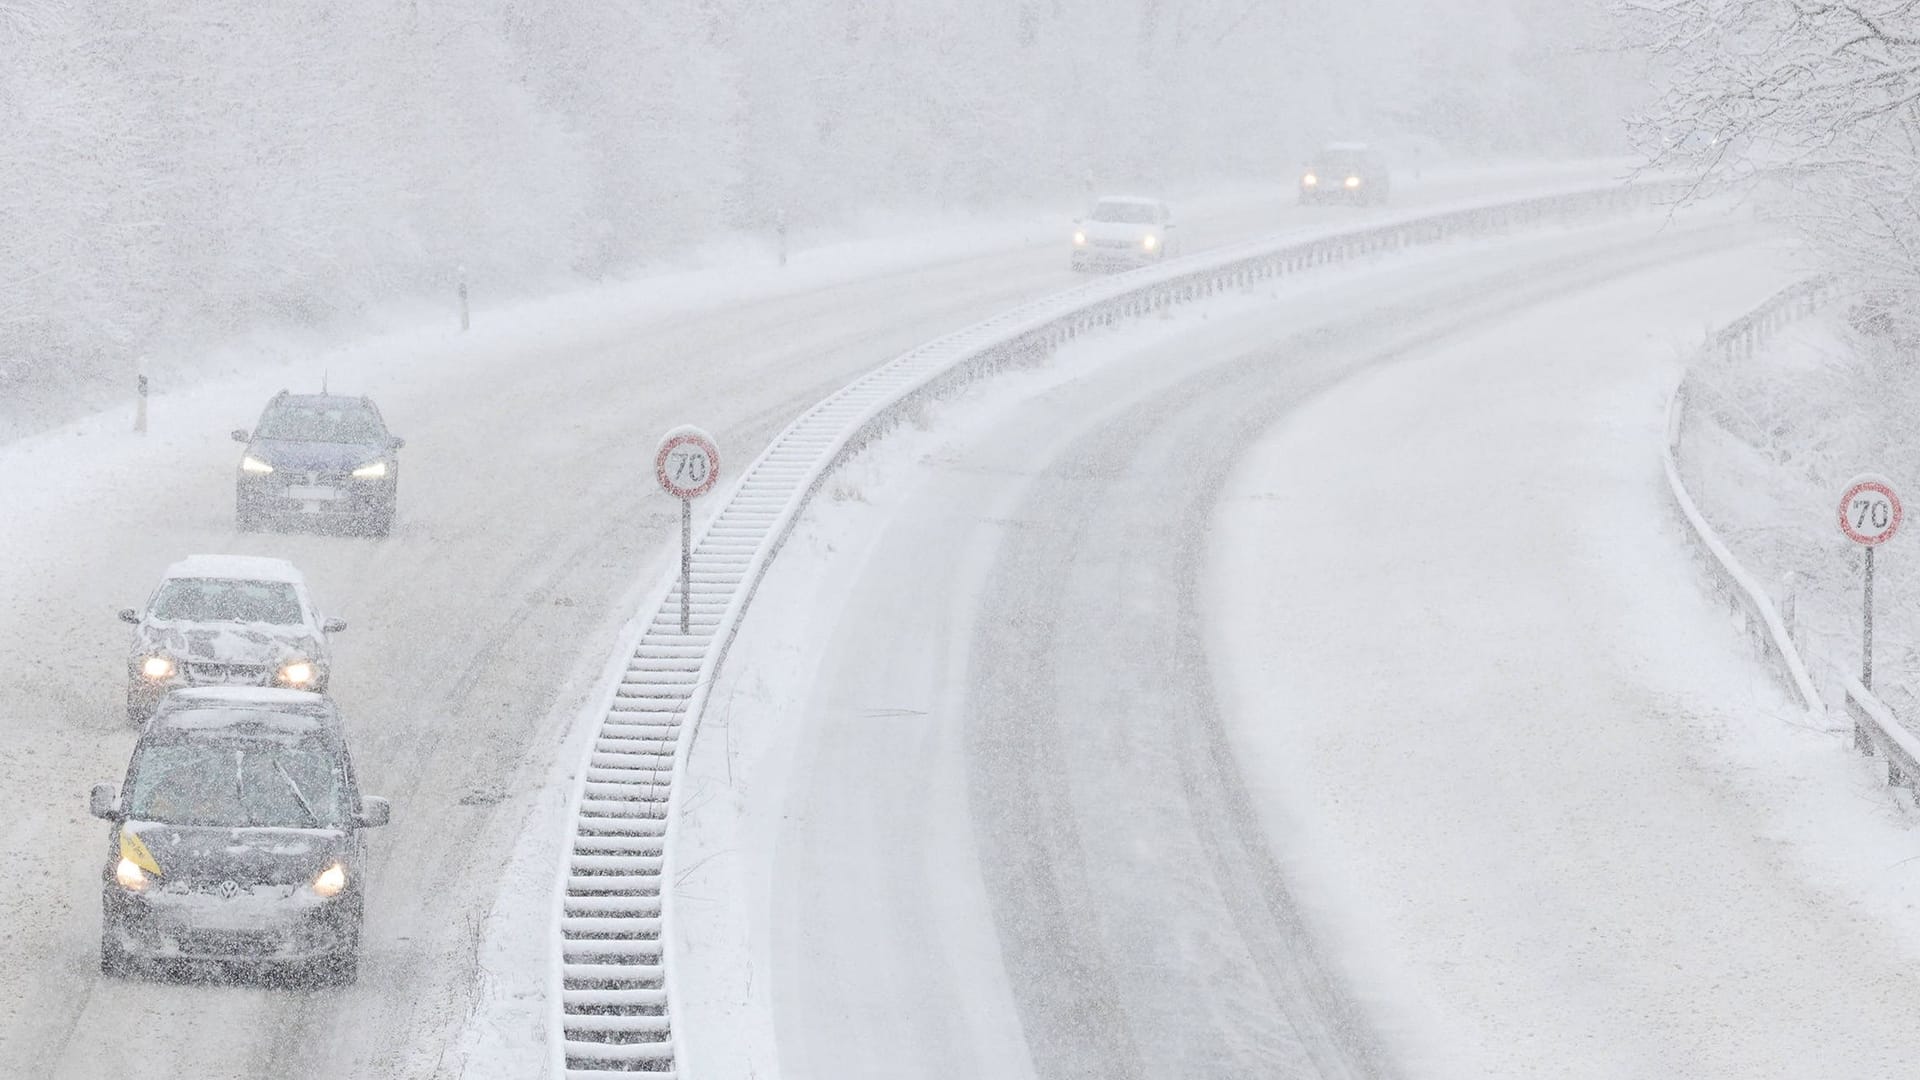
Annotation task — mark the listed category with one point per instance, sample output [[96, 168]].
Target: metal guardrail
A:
[[1737, 341], [613, 984], [1876, 730]]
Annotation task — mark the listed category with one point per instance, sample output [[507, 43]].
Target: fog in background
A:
[[173, 175]]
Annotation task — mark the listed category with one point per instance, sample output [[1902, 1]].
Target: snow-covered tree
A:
[[1819, 98]]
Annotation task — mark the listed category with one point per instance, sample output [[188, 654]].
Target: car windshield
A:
[[1342, 162], [238, 783], [339, 422], [1126, 213], [228, 600]]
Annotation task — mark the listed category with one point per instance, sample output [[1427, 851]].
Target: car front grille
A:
[[228, 674]]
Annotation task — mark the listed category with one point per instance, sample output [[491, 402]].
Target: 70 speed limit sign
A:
[[1869, 511], [687, 464]]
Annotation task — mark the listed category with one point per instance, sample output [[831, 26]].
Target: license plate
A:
[[313, 494]]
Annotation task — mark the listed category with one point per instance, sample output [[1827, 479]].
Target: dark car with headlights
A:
[[1345, 172], [226, 620], [319, 459], [237, 837]]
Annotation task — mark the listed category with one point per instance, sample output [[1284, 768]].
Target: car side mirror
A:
[[104, 802], [128, 615], [374, 812], [395, 442], [334, 626], [240, 435]]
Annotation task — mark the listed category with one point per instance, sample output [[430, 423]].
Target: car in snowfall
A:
[[1345, 172], [226, 620], [318, 459], [1124, 231], [236, 837]]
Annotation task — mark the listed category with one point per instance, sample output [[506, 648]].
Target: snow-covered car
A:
[[318, 459], [226, 620], [236, 837], [1345, 172], [1124, 230]]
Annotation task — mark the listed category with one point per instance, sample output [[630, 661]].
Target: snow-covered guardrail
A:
[[1876, 730], [613, 981], [1738, 340]]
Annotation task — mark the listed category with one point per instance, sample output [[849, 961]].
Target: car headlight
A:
[[1150, 242], [298, 673], [249, 463], [372, 471], [330, 881], [130, 876], [1079, 238], [1353, 181], [157, 667], [1309, 180]]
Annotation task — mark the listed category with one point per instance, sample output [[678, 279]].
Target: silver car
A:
[[226, 620]]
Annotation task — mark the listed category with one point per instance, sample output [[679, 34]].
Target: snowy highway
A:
[[474, 631], [1316, 689]]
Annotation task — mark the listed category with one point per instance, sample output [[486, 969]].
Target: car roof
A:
[[236, 568], [1346, 147], [245, 710], [1140, 200]]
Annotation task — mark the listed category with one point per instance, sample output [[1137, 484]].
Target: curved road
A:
[[1009, 830]]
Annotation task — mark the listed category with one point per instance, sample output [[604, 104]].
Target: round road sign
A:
[[1869, 511], [688, 464]]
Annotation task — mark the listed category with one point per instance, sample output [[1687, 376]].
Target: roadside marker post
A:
[[687, 466], [1869, 516]]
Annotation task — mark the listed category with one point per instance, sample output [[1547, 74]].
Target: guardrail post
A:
[[140, 396], [466, 316]]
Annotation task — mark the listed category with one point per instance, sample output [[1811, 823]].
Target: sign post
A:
[[687, 465], [1869, 516]]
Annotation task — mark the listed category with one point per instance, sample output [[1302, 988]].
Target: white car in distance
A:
[[1124, 230]]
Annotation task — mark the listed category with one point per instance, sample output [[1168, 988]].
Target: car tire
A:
[[138, 712], [115, 962], [247, 519], [380, 523]]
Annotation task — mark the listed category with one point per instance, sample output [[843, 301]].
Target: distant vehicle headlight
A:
[[1309, 180], [298, 673], [129, 875], [157, 667], [373, 471], [252, 464], [1079, 238], [1150, 242], [1353, 181], [330, 881]]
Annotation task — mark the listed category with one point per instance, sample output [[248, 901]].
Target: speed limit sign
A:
[[1869, 511], [688, 463]]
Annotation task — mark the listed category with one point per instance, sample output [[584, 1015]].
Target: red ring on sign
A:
[[713, 461], [1893, 526]]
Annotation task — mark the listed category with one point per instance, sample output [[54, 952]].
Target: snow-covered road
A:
[[1052, 761], [526, 522], [1511, 753]]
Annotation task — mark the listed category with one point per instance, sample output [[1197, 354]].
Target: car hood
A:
[[244, 856], [229, 642], [1118, 230], [314, 456]]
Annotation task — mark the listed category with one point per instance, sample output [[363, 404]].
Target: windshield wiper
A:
[[298, 796]]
